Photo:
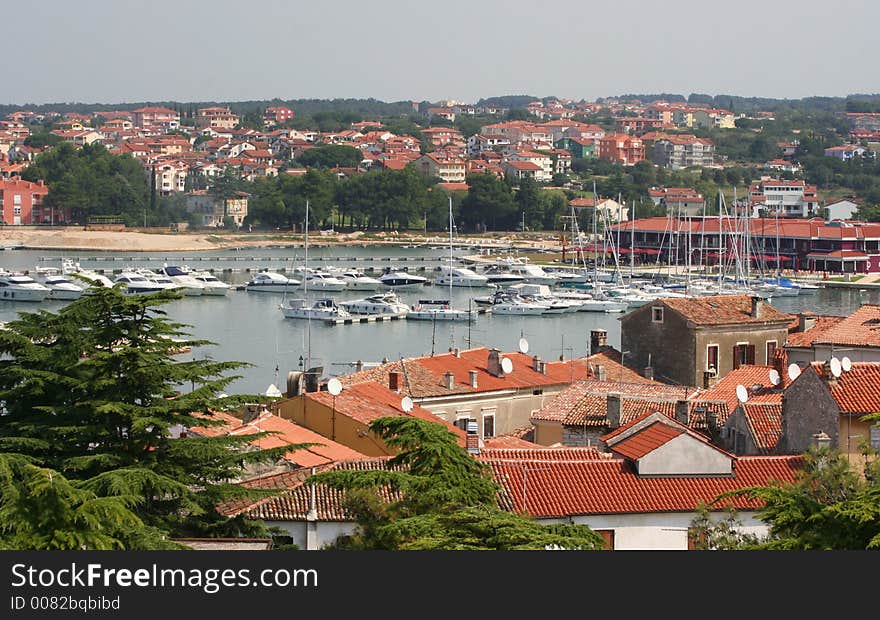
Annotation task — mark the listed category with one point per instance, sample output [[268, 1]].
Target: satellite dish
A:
[[334, 386], [506, 365], [742, 393], [774, 376], [523, 345], [273, 392], [406, 403], [835, 367], [846, 364], [793, 371]]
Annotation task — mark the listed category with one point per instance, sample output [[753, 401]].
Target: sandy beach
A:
[[77, 238]]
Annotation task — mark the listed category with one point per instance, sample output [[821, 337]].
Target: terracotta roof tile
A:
[[749, 376], [285, 433], [856, 391], [722, 309], [542, 453], [558, 489], [765, 424], [861, 328], [647, 440], [817, 333]]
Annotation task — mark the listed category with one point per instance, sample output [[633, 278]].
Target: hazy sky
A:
[[112, 51]]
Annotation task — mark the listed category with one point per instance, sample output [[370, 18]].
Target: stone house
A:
[[687, 340]]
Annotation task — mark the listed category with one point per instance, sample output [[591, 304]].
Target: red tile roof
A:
[[285, 433], [856, 391], [749, 376], [422, 377], [559, 489], [542, 453], [368, 401], [860, 329], [722, 310], [295, 500], [817, 333], [647, 440], [765, 423]]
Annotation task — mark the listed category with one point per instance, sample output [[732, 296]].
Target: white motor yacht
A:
[[402, 280], [516, 305], [383, 303], [496, 274], [323, 282], [211, 283], [533, 274], [319, 309], [358, 281], [19, 287], [137, 284], [183, 278], [438, 310], [271, 282], [460, 276], [62, 287], [69, 267]]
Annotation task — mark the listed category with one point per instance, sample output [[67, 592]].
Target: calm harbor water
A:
[[249, 327]]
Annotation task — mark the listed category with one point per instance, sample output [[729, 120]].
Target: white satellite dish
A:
[[835, 367], [406, 403], [523, 345], [793, 371], [846, 364], [774, 376], [273, 392], [742, 393], [506, 365], [334, 386]]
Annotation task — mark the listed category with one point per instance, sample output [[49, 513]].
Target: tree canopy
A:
[[447, 499], [92, 396]]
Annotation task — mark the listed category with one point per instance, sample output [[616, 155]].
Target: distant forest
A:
[[367, 108]]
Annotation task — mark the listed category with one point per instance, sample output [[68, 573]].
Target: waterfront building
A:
[[21, 202]]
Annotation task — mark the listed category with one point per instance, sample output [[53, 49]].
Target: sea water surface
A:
[[249, 327]]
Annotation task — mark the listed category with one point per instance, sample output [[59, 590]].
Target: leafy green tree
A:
[[94, 391], [42, 139], [828, 507], [489, 204], [41, 510], [447, 499], [331, 156], [528, 202]]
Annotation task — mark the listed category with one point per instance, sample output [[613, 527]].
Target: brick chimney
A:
[[779, 362], [682, 414], [612, 410], [472, 375], [449, 380], [494, 363], [757, 307], [394, 381], [598, 341], [806, 320]]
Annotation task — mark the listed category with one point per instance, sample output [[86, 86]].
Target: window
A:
[[771, 351], [657, 314], [712, 357], [743, 353], [875, 436], [488, 425], [462, 422]]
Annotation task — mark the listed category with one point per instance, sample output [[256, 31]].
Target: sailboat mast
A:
[[632, 241], [451, 259], [306, 290]]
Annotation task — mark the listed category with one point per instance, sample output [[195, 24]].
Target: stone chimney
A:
[[757, 307], [649, 372], [821, 441], [598, 341], [543, 368], [600, 373], [449, 380], [456, 352], [806, 320], [394, 381], [494, 363], [536, 363], [707, 379], [612, 410], [358, 366], [827, 375], [682, 414], [711, 420], [472, 375]]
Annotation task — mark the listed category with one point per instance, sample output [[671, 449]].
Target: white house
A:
[[841, 210]]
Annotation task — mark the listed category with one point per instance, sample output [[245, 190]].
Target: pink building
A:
[[22, 201]]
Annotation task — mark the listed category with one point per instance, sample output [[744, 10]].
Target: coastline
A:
[[159, 240]]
